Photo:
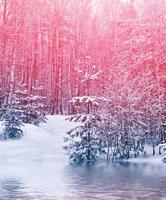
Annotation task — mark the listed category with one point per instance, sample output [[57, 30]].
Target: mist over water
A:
[[57, 180]]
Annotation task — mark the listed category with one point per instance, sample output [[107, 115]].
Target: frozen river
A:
[[37, 169]]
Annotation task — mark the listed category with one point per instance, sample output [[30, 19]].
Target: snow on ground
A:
[[149, 158], [38, 162], [38, 144], [38, 159], [45, 144]]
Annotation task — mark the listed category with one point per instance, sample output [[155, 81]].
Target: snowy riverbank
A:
[[36, 167], [44, 144]]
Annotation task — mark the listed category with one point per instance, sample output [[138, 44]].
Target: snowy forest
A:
[[102, 63], [82, 99]]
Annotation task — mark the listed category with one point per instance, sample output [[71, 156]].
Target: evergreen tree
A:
[[20, 108], [11, 115], [84, 142], [32, 105]]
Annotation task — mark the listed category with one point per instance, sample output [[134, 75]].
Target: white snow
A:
[[38, 144], [45, 144], [155, 160], [39, 160]]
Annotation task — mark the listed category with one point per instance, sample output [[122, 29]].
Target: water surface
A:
[[58, 181]]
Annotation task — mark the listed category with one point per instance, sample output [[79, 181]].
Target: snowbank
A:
[[45, 144], [38, 144]]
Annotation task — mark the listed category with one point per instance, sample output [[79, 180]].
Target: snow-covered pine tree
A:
[[11, 116], [32, 105], [20, 108], [83, 142]]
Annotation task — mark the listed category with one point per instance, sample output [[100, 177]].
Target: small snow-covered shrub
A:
[[163, 150]]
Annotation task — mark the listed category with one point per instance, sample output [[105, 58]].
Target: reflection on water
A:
[[100, 182], [13, 189], [10, 188]]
